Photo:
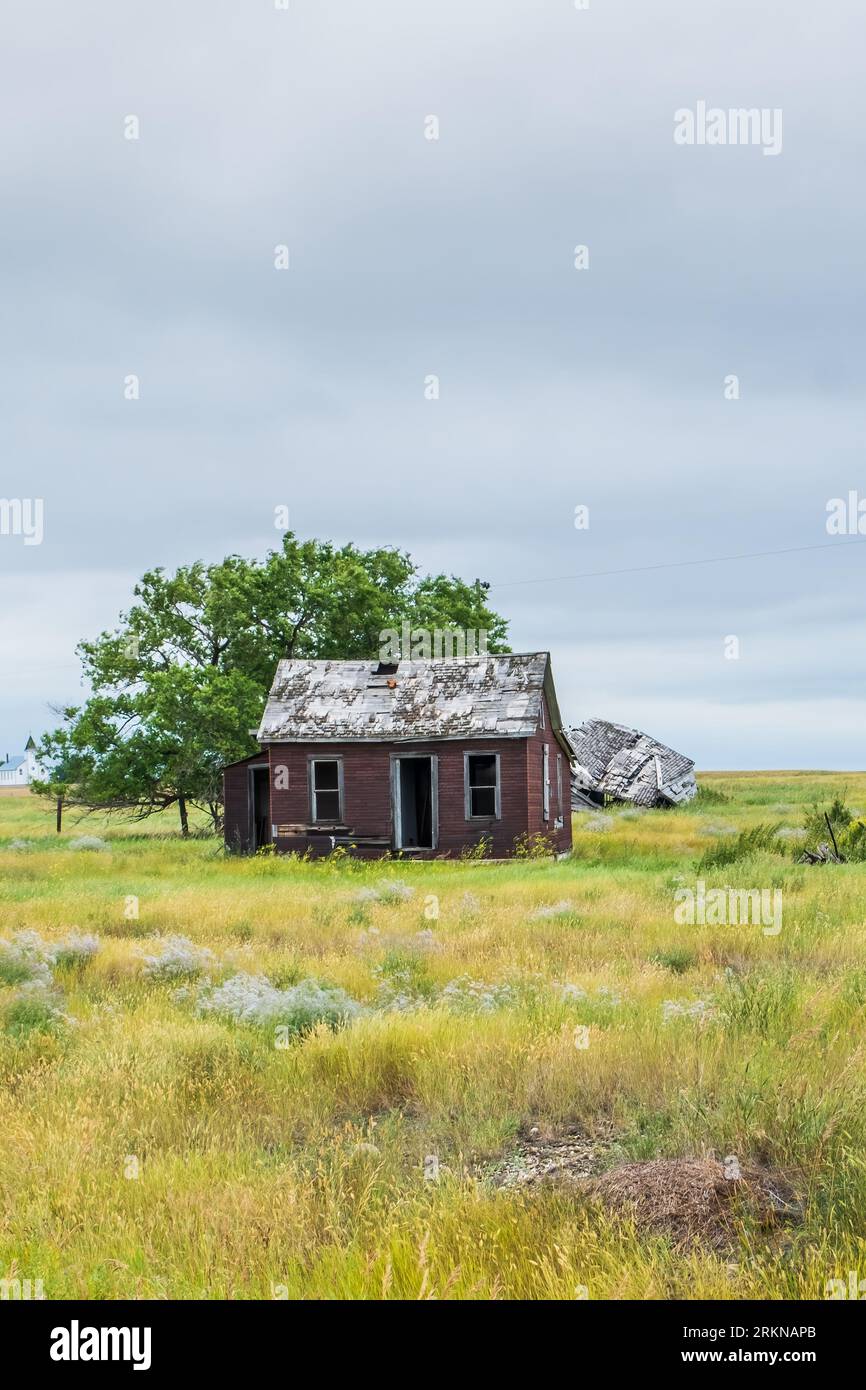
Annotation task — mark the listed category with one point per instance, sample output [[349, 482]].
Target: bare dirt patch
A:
[[546, 1158]]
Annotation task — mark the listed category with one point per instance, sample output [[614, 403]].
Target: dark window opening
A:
[[386, 668], [416, 803], [482, 784], [326, 790]]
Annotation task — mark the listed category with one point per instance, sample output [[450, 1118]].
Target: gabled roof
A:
[[460, 698], [625, 763], [12, 763]]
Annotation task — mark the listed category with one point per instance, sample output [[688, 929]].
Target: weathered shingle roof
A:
[[628, 764], [469, 697]]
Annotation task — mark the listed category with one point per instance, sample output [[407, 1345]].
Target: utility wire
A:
[[670, 565]]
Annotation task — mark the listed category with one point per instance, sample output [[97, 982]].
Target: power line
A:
[[670, 565]]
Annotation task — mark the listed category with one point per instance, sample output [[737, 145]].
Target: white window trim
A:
[[545, 781], [312, 759], [467, 799]]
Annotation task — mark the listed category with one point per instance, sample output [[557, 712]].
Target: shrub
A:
[[564, 908], [597, 825], [748, 842], [480, 850], [852, 841], [388, 891], [467, 996], [75, 949], [762, 1005], [535, 846], [253, 1000], [32, 1010], [706, 796], [700, 1009], [403, 981], [177, 958], [836, 811], [24, 958], [677, 959], [94, 842]]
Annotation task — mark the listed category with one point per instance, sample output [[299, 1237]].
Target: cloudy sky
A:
[[559, 387]]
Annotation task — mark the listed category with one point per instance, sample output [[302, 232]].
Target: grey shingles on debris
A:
[[469, 697], [622, 764]]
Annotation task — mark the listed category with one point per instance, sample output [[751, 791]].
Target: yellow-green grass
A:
[[268, 1171]]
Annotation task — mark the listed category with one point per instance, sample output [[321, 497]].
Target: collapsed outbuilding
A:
[[616, 763]]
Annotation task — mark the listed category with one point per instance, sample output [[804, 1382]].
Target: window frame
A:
[[312, 759], [467, 787], [545, 782]]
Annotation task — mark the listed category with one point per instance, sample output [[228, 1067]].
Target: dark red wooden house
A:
[[426, 757]]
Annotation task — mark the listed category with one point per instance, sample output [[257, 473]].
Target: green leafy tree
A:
[[181, 681]]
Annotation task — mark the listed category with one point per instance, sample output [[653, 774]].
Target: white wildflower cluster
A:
[[33, 1006], [467, 996], [792, 832], [26, 962], [560, 909], [700, 1009], [20, 846], [389, 890], [76, 949], [632, 813], [26, 957], [252, 999], [396, 995], [608, 996], [718, 828], [570, 994], [575, 994], [176, 958], [597, 823], [89, 842]]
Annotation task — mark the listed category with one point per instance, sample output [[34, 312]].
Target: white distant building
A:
[[20, 769]]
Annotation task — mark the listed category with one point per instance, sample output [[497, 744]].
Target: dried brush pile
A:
[[693, 1200]]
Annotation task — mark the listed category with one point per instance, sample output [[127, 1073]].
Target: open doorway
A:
[[260, 788], [415, 803]]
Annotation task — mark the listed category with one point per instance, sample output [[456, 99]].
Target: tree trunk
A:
[[184, 819], [59, 814]]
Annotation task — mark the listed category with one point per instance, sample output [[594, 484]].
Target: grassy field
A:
[[164, 1134]]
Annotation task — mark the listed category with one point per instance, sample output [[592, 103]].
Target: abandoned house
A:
[[615, 763], [424, 757]]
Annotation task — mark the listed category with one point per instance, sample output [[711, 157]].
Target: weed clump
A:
[[176, 958], [754, 840], [255, 1001]]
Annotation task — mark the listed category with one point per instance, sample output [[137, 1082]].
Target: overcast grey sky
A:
[[559, 387]]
